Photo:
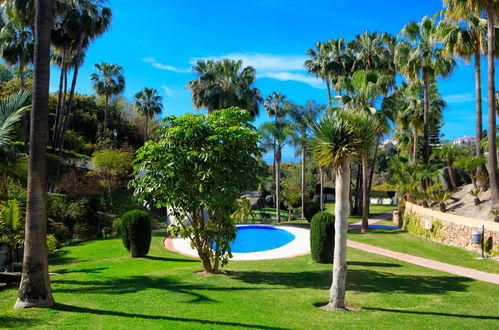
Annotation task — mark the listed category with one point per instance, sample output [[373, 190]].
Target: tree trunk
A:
[[337, 293], [452, 175], [303, 182], [55, 130], [328, 92], [25, 116], [491, 100], [147, 128], [426, 124], [205, 260], [479, 128], [415, 148], [373, 164], [104, 131], [365, 194], [10, 266], [278, 185], [67, 114], [34, 290], [321, 178]]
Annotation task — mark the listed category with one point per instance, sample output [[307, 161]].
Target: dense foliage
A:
[[322, 237], [136, 232], [311, 209]]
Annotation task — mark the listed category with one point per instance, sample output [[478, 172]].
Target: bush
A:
[[116, 227], [311, 209], [52, 243], [136, 232], [322, 238]]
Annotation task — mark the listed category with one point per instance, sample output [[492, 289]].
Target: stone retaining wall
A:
[[449, 228]]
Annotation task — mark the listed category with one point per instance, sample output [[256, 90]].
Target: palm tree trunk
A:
[[104, 132], [426, 124], [55, 130], [415, 145], [25, 116], [452, 175], [479, 128], [492, 157], [303, 182], [337, 292], [321, 178], [373, 163], [34, 290], [67, 114], [278, 185], [10, 266], [365, 194], [328, 92], [147, 128]]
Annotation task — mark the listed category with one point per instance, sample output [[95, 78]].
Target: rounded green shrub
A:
[[136, 232], [310, 209], [52, 243], [322, 237]]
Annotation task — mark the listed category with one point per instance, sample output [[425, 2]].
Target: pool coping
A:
[[300, 246]]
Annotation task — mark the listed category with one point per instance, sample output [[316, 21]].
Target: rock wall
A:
[[449, 228]]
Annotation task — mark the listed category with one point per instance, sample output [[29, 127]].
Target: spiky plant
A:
[[476, 194], [440, 197]]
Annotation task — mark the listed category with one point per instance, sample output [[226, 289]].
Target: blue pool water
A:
[[260, 238]]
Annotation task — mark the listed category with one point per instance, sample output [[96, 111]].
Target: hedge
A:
[[322, 237], [136, 232]]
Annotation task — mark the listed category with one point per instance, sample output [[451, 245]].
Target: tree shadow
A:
[[83, 270], [360, 280], [137, 284], [60, 258], [76, 309], [372, 264], [155, 258], [12, 322], [480, 317]]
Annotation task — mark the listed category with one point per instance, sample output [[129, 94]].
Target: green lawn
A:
[[99, 286]]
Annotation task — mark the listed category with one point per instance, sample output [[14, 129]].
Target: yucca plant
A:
[[470, 165], [11, 228], [495, 214], [476, 194]]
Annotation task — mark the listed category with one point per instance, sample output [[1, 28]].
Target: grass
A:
[[99, 286]]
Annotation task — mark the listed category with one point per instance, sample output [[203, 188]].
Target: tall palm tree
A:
[[34, 290], [420, 58], [339, 137], [81, 23], [224, 84], [491, 8], [277, 135], [303, 118], [465, 35], [108, 82], [148, 103]]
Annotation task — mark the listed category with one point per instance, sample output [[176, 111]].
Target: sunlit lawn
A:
[[99, 286]]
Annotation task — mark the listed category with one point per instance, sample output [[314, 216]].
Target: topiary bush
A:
[[322, 237], [136, 232], [311, 209]]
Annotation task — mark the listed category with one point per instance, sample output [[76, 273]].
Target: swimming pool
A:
[[257, 242], [260, 238]]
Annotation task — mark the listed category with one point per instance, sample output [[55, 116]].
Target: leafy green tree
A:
[[448, 153], [35, 290], [224, 84], [470, 165], [420, 58], [148, 103], [113, 167], [11, 228], [108, 81], [199, 168], [339, 137]]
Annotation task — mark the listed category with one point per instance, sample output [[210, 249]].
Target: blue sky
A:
[[158, 41]]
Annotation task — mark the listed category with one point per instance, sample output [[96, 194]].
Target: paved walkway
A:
[[428, 263]]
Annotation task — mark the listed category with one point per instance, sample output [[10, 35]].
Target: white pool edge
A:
[[297, 247]]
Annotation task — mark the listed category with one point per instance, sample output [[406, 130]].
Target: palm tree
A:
[[277, 135], [81, 23], [11, 111], [339, 137], [303, 118], [148, 103], [34, 290], [420, 58], [108, 82], [491, 7], [11, 228], [448, 153], [224, 84], [465, 35]]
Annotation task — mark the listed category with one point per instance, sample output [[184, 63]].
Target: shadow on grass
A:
[[16, 322], [356, 231], [83, 270], [360, 280], [60, 258], [76, 309], [372, 264], [137, 284], [169, 259], [480, 317]]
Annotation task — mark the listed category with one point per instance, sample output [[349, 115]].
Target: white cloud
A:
[[291, 76], [263, 62], [161, 66], [168, 91], [459, 98]]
